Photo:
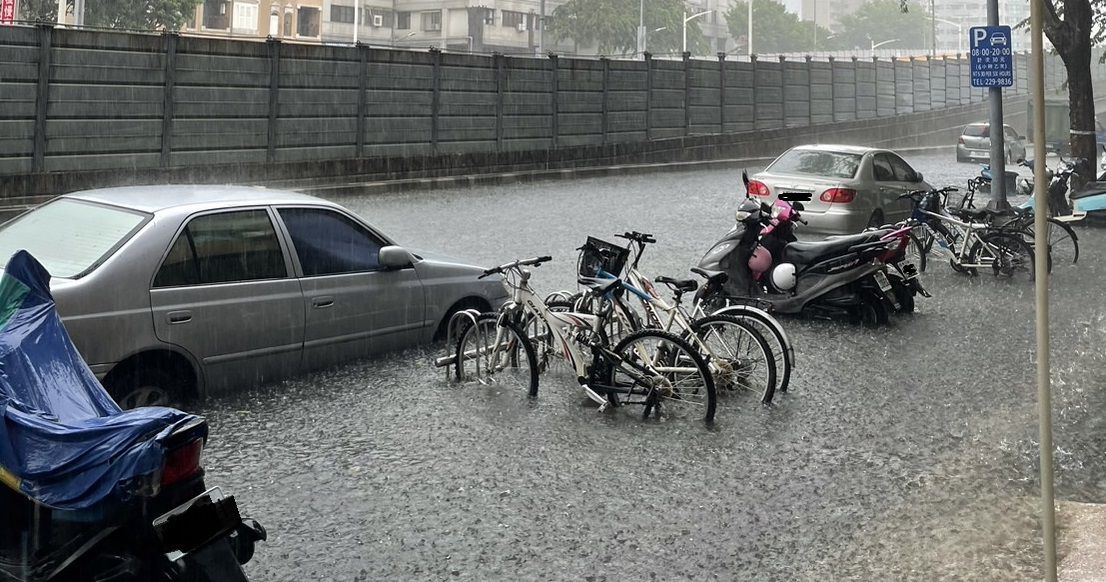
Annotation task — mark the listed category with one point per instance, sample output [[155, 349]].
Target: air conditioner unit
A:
[[522, 27], [378, 20]]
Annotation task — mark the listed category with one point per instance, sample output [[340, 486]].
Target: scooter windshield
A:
[[64, 442]]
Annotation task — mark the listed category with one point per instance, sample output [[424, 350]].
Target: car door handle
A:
[[176, 317], [322, 302]]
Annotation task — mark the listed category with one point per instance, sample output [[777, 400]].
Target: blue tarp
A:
[[63, 440]]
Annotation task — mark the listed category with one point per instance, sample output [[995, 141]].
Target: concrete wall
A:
[[75, 101]]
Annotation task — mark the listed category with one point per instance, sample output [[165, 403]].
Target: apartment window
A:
[[432, 21], [341, 13], [514, 19], [274, 21], [489, 16], [245, 17], [403, 20], [307, 22], [215, 15], [289, 16], [368, 16]]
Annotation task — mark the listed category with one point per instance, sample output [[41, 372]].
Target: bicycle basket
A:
[[597, 255]]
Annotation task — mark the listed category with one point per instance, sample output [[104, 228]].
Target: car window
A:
[[70, 237], [881, 169], [224, 248], [1010, 133], [329, 243], [977, 131], [903, 171], [817, 163]]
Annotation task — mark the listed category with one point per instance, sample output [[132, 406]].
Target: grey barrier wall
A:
[[77, 100]]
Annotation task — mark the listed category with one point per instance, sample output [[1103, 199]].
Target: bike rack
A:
[[470, 315]]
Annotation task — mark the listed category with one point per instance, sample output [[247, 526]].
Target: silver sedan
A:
[[172, 292], [847, 187]]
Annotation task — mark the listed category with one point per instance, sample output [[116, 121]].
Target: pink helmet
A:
[[760, 261]]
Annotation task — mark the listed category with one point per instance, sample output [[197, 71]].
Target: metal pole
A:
[[933, 29], [749, 32], [998, 150], [356, 18], [640, 28], [541, 29], [684, 50], [1040, 230]]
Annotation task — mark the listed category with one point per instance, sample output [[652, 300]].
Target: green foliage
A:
[[611, 26], [38, 10], [139, 14], [775, 30], [878, 21], [125, 14]]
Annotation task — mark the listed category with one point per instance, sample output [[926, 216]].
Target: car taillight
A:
[[758, 188], [182, 463], [838, 195], [961, 140]]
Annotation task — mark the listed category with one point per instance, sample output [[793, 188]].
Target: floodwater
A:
[[903, 453]]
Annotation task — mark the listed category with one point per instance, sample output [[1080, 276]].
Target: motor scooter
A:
[[761, 260], [90, 492]]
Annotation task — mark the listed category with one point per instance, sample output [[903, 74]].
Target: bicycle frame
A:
[[970, 234], [565, 328]]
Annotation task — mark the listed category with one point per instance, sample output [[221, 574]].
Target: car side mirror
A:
[[395, 257]]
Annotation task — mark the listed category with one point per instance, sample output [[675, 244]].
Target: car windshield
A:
[[69, 237], [817, 163], [976, 131]]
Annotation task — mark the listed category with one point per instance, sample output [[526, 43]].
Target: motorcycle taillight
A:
[[182, 462]]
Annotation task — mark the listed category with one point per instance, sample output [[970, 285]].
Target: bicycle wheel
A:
[[738, 355], [916, 252], [497, 353], [659, 370], [782, 350], [1008, 255], [1063, 243]]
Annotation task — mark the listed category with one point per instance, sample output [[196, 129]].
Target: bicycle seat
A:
[[600, 286], [681, 285], [711, 276]]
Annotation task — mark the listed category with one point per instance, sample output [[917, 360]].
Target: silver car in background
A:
[[173, 292], [849, 187], [974, 144]]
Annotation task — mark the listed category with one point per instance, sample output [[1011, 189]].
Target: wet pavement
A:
[[903, 453]]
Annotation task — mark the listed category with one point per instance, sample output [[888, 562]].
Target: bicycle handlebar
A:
[[536, 262], [636, 236]]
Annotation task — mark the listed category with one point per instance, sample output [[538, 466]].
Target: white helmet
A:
[[783, 277]]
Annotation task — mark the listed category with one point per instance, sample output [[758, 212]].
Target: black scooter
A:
[[840, 277]]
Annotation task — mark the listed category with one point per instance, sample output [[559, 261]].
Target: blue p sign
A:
[[991, 58]]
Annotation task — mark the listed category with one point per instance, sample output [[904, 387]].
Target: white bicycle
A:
[[655, 369], [736, 350]]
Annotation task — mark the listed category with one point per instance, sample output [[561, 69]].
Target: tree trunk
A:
[[1081, 111]]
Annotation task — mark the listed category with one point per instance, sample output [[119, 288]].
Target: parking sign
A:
[[991, 58]]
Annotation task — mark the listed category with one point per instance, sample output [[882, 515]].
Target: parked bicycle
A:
[[652, 368], [969, 244], [738, 353]]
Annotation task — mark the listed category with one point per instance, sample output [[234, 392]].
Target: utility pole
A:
[[933, 29], [997, 135], [541, 30], [641, 29], [749, 32]]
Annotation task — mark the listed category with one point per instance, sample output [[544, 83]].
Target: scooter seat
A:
[[1090, 189], [681, 285], [804, 253]]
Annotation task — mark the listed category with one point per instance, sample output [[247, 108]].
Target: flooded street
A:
[[903, 453]]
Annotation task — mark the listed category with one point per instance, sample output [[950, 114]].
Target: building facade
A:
[[505, 26], [955, 17], [299, 20]]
